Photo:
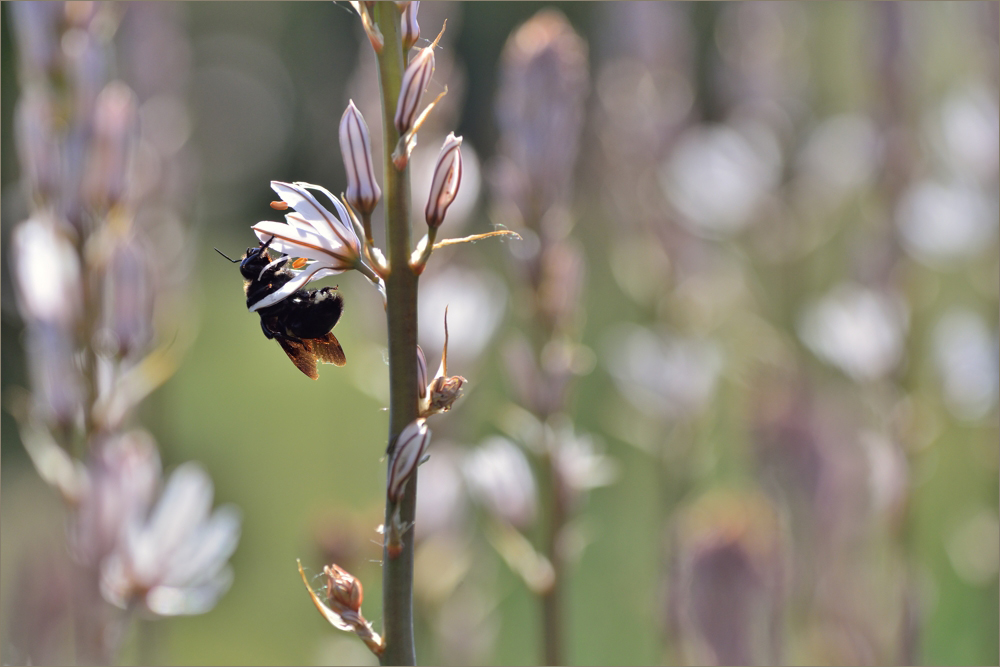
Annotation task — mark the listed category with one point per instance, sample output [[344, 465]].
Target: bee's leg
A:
[[294, 339], [267, 332]]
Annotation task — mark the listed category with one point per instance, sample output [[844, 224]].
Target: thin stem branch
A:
[[401, 315]]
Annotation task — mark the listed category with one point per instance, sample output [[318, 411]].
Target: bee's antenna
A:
[[226, 256], [263, 246]]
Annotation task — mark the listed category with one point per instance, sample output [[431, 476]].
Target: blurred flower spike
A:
[[363, 192], [343, 605], [311, 231], [444, 184], [175, 561], [408, 26], [405, 455], [443, 390]]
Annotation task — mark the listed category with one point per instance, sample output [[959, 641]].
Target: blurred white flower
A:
[[967, 360], [121, 478], [176, 560], [664, 376], [969, 131], [943, 223], [499, 478], [477, 300], [858, 330], [840, 156], [718, 176], [581, 465], [47, 271]]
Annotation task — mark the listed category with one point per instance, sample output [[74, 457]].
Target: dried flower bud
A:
[[363, 192], [444, 391], [408, 26], [407, 451], [343, 589], [415, 79], [444, 184]]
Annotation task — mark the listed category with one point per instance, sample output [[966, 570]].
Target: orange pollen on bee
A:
[[279, 206], [299, 262]]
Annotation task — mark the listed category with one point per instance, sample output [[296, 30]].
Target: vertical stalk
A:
[[552, 621], [401, 316]]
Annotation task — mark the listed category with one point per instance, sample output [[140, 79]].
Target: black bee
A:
[[302, 322]]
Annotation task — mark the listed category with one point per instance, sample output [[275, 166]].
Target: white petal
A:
[[206, 553], [184, 505], [296, 238], [314, 272], [174, 601], [325, 222]]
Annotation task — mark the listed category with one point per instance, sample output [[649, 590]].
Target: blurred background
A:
[[782, 269]]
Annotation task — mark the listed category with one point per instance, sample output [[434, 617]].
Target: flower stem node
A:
[[363, 192], [404, 456]]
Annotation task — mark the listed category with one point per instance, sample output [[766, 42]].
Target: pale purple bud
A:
[[415, 79], [406, 454], [408, 26], [363, 192], [421, 373], [128, 295], [444, 184], [115, 131], [36, 143]]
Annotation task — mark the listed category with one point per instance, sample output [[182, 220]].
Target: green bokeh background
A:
[[289, 452]]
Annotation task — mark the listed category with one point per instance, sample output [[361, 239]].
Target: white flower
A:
[[175, 561], [499, 478], [312, 232], [856, 329]]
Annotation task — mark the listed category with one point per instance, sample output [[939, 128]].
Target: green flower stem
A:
[[401, 314]]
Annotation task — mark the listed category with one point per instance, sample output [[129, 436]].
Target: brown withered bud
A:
[[444, 391], [343, 589]]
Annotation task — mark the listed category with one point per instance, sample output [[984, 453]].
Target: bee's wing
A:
[[302, 355], [327, 349]]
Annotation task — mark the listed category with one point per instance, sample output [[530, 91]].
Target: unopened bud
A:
[[415, 79], [363, 192], [406, 454], [421, 374], [115, 129], [343, 589], [408, 26], [444, 184]]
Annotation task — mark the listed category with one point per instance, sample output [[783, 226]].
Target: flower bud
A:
[[343, 589], [444, 184], [406, 454], [415, 80], [421, 374], [363, 192], [408, 26]]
